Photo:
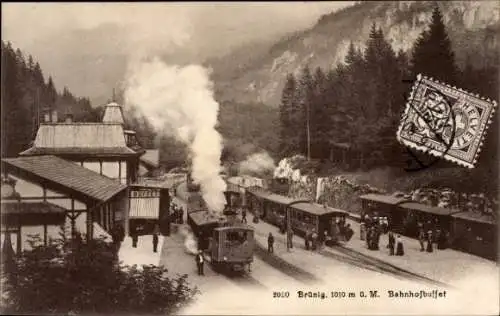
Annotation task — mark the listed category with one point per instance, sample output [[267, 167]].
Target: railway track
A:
[[242, 279], [284, 266], [363, 261], [246, 280]]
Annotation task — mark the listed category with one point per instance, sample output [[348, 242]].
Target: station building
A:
[[80, 177]]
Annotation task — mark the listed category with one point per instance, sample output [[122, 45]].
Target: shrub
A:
[[76, 277]]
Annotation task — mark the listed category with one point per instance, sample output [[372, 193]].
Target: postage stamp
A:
[[445, 121]]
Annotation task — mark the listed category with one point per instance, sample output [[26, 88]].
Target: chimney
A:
[[54, 116], [46, 117], [69, 118]]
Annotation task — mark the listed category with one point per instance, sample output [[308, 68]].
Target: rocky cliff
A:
[[258, 75]]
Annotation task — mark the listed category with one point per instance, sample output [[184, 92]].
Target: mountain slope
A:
[[472, 26]]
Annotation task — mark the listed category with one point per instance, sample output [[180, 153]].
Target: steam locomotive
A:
[[226, 243]]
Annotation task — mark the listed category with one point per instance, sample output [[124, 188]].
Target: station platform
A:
[[143, 254], [445, 266]]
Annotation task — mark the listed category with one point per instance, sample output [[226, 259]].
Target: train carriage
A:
[[306, 217], [475, 233], [374, 205], [429, 216], [404, 215]]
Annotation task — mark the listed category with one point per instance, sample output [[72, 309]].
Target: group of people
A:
[[429, 234], [177, 214], [134, 234], [342, 231], [395, 243], [270, 241], [372, 227]]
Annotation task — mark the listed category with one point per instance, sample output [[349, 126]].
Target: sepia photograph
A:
[[250, 158]]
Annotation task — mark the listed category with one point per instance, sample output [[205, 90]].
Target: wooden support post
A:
[[45, 234], [19, 238], [89, 223]]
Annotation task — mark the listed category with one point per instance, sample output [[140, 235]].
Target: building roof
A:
[[316, 209], [426, 208], [67, 175], [151, 158], [280, 199], [382, 198], [31, 208], [113, 113], [475, 217], [79, 138]]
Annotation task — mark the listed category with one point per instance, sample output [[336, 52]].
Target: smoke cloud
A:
[[190, 243], [257, 163], [179, 101]]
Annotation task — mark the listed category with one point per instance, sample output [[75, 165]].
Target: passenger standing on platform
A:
[[155, 241], [115, 236], [314, 240], [369, 237], [307, 240], [429, 241], [377, 239], [391, 245], [421, 239], [348, 232], [243, 216], [121, 233], [199, 262], [270, 243], [135, 237], [290, 238], [399, 246], [438, 238], [181, 216]]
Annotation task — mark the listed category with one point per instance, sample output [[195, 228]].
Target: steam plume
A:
[[179, 101], [190, 243], [257, 163]]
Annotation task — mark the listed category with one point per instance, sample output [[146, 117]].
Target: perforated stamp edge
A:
[[425, 149]]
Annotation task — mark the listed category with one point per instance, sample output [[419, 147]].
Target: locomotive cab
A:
[[232, 247]]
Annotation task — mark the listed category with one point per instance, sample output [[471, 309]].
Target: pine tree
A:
[[289, 141], [319, 116], [305, 99], [432, 52]]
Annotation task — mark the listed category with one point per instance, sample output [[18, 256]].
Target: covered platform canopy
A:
[[65, 176]]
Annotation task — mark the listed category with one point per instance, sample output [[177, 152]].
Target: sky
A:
[[193, 26], [87, 46]]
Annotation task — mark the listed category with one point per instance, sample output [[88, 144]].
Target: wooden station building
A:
[[83, 176]]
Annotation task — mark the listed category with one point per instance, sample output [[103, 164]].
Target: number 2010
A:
[[281, 294]]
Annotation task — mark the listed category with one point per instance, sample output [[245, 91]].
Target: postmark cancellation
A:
[[445, 121]]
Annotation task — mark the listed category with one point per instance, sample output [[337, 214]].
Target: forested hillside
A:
[[352, 112], [26, 95], [473, 28]]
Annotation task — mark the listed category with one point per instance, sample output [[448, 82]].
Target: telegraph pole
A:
[[308, 132]]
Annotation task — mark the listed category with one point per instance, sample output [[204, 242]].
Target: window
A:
[[236, 237]]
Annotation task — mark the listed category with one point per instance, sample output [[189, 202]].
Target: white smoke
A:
[[180, 102], [257, 163], [190, 242]]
